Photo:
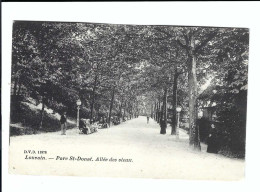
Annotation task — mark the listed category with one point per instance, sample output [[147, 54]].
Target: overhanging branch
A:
[[182, 45], [202, 44]]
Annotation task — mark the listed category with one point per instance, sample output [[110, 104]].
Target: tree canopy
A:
[[119, 69]]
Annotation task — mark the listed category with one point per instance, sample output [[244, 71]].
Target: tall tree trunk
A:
[[124, 110], [163, 122], [174, 104], [19, 86], [155, 110], [42, 112], [15, 78], [192, 50], [93, 97], [151, 114], [120, 109], [130, 111], [15, 86], [98, 117], [159, 110], [192, 79], [111, 105], [165, 113]]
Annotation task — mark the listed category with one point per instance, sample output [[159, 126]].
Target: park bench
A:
[[116, 120], [102, 125], [86, 128]]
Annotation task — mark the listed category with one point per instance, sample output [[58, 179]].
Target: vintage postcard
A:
[[135, 101]]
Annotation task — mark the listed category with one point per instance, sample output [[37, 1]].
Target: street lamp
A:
[[78, 107], [178, 110]]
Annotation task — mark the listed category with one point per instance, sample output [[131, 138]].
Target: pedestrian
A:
[[212, 140], [63, 122], [88, 126], [147, 119]]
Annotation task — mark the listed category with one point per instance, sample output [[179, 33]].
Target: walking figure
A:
[[63, 122], [212, 140], [147, 119]]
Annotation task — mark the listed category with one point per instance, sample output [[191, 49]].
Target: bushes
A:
[[233, 128], [56, 107], [233, 133], [230, 133], [15, 108], [30, 121]]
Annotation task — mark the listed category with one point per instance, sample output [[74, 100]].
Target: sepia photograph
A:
[[128, 101]]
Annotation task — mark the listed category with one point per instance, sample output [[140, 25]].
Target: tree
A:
[[121, 69]]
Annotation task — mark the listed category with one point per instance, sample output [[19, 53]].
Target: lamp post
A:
[[178, 110], [78, 107]]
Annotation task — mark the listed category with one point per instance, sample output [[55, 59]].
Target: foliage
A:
[[30, 121], [125, 69]]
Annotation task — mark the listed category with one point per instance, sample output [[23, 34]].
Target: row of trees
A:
[[114, 68], [63, 62], [200, 55]]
